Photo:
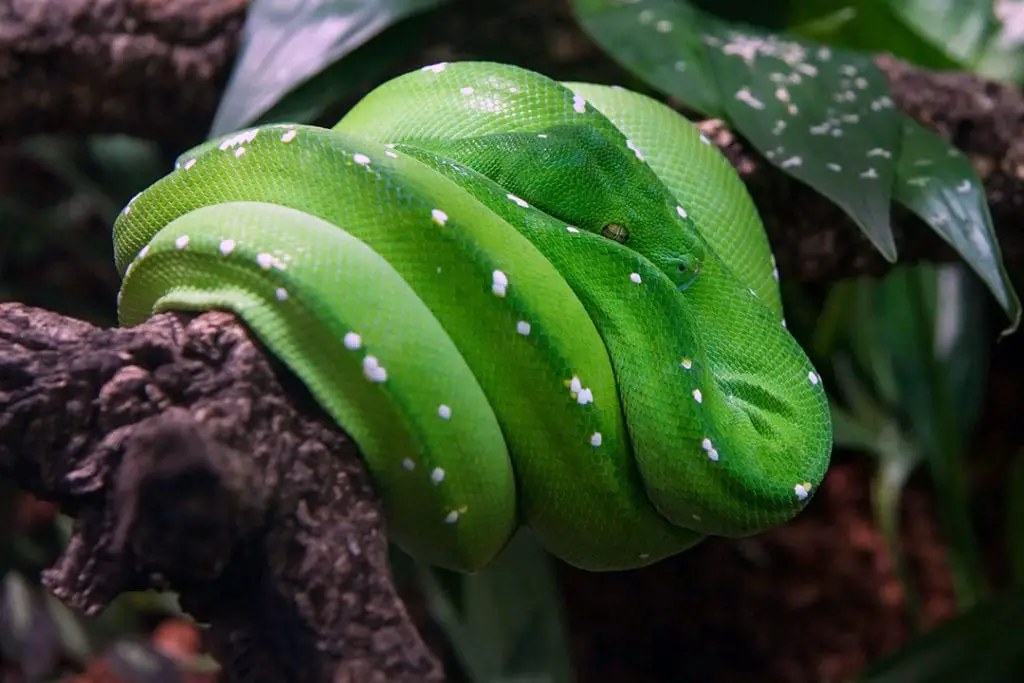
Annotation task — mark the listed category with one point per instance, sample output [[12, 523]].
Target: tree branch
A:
[[189, 462], [164, 63]]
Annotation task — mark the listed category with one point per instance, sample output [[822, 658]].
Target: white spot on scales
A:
[[267, 261], [521, 202], [352, 341], [710, 449], [374, 371], [242, 138], [499, 283], [639, 155]]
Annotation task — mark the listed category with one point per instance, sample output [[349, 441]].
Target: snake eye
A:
[[684, 271], [616, 232]]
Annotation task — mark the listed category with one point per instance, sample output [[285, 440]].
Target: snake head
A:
[[682, 270]]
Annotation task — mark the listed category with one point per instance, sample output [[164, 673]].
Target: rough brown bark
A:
[[190, 462], [164, 63], [152, 68]]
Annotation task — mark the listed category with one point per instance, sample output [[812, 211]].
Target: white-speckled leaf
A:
[[821, 114], [938, 183], [659, 42], [288, 41]]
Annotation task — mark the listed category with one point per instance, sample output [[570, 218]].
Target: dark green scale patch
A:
[[592, 180]]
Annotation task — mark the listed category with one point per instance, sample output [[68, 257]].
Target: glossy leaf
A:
[[983, 645], [820, 114], [343, 81], [959, 27], [875, 26], [938, 183], [660, 41], [288, 41], [1003, 56]]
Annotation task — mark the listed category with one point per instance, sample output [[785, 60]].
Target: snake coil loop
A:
[[448, 271]]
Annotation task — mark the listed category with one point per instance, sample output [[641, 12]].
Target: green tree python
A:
[[527, 302]]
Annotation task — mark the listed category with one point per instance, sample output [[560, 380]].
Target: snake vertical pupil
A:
[[616, 232]]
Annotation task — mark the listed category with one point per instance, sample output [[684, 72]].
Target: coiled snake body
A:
[[527, 302]]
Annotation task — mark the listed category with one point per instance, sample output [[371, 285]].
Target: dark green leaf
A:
[[959, 27], [938, 183], [1003, 56], [873, 27], [288, 41], [823, 115], [982, 646], [345, 79], [660, 42]]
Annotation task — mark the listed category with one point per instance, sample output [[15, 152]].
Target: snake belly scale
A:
[[527, 302]]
